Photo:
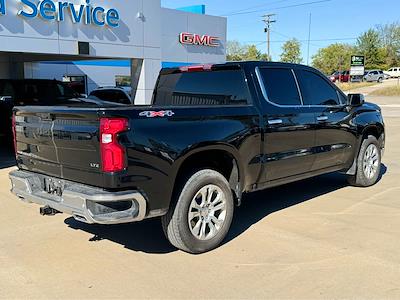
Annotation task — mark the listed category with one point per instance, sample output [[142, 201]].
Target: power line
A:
[[276, 8], [304, 41], [252, 7], [290, 37]]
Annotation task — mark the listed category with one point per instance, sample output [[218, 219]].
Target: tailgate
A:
[[60, 142]]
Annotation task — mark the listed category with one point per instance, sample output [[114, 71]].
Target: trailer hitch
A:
[[48, 211]]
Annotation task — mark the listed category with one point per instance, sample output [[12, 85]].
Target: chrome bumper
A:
[[85, 203]]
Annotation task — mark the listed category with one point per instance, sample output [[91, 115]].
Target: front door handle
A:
[[275, 122], [322, 118]]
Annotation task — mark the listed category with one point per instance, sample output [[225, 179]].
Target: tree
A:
[[235, 51], [252, 53], [335, 57], [291, 52], [238, 52], [390, 39], [370, 45]]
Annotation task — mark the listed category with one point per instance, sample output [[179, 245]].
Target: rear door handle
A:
[[275, 122], [322, 118]]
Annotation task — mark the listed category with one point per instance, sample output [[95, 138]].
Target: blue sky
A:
[[332, 19]]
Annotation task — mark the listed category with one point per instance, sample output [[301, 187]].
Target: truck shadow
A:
[[256, 206], [148, 237], [7, 157]]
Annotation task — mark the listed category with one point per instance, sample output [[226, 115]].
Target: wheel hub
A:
[[371, 161], [207, 212]]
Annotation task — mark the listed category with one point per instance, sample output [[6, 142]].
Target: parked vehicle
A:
[[122, 95], [394, 72], [212, 134], [374, 75], [340, 76], [29, 92], [386, 76]]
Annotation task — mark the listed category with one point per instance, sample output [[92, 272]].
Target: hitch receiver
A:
[[48, 211]]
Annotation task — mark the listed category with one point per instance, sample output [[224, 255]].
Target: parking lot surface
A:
[[314, 239]]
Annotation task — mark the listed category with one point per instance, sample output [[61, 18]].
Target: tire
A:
[[183, 231], [380, 80], [369, 158]]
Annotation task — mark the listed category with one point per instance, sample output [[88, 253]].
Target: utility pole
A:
[[267, 19]]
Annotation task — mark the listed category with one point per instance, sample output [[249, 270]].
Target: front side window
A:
[[280, 86], [315, 90], [223, 87]]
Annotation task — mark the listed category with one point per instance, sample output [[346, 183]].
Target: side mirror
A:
[[6, 99], [356, 99]]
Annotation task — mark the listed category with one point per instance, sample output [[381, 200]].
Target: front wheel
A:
[[368, 164], [202, 215]]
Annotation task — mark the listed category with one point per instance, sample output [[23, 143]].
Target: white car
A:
[[394, 72]]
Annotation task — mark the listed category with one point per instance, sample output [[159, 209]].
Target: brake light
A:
[[113, 154], [14, 130], [197, 68]]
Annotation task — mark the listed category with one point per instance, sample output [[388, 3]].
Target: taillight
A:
[[113, 154], [14, 130]]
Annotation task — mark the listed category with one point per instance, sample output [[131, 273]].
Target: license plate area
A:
[[53, 186]]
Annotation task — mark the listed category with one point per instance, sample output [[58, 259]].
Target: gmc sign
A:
[[186, 38]]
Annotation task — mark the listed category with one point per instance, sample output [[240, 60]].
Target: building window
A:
[[121, 80]]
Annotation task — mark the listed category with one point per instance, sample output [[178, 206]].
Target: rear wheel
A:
[[368, 164], [202, 214]]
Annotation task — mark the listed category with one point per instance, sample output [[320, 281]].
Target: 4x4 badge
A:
[[154, 114]]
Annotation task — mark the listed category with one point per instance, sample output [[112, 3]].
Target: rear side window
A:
[[224, 87], [315, 90], [280, 86]]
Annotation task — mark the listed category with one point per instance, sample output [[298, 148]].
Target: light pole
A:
[[309, 40]]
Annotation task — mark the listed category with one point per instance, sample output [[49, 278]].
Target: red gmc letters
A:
[[200, 40]]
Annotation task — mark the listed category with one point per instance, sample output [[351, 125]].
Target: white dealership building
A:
[[94, 43]]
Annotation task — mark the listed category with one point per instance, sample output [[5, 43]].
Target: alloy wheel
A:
[[207, 212]]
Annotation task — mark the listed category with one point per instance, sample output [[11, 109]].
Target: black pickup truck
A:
[[212, 133]]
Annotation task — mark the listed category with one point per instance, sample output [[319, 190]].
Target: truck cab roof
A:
[[230, 65]]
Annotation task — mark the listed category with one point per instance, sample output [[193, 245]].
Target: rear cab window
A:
[[111, 95], [202, 88], [280, 87]]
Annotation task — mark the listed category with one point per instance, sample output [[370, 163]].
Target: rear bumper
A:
[[85, 203]]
